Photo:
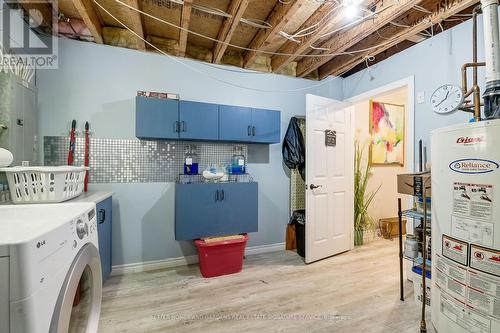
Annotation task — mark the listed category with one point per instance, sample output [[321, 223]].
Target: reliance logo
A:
[[473, 166], [465, 140]]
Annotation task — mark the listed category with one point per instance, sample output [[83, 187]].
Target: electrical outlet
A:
[[420, 97]]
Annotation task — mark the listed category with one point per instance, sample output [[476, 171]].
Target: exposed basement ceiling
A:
[[303, 38]]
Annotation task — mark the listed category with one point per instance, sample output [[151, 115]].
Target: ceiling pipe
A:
[[492, 56]]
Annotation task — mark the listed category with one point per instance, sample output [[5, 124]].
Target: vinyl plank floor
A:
[[357, 291]]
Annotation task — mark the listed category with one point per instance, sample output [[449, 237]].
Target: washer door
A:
[[83, 317]]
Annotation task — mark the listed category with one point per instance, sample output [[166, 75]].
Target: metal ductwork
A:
[[492, 55]]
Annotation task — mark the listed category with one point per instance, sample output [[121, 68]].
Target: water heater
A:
[[466, 228]]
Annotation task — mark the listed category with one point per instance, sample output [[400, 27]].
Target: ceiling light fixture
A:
[[351, 8]]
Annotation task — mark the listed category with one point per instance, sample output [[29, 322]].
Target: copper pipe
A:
[[475, 90], [477, 103], [464, 75]]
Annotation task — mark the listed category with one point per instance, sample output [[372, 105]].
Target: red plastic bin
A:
[[221, 258]]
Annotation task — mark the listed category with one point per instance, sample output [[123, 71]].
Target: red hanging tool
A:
[[72, 143], [86, 158]]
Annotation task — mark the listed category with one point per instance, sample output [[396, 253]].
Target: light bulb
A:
[[351, 11]]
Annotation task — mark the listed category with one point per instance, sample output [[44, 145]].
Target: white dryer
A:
[[45, 252]]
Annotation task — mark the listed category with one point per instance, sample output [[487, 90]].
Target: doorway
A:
[[395, 96]]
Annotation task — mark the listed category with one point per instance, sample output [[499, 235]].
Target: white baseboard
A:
[[264, 248], [187, 260]]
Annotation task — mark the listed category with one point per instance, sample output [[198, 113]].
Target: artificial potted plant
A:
[[362, 198]]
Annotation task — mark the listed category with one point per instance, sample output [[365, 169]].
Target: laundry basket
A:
[[31, 185]]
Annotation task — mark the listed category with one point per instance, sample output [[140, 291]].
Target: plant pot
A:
[[358, 237]]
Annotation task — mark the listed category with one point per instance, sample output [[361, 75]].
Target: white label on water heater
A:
[[451, 269], [484, 283], [459, 314], [474, 231], [484, 303], [455, 250], [472, 213], [473, 201], [453, 287], [485, 260]]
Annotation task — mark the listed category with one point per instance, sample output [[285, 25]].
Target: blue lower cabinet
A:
[[104, 228], [196, 210], [205, 210], [238, 208]]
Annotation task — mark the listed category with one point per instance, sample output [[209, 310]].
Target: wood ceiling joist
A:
[[343, 40], [236, 10], [441, 12], [278, 18], [185, 19], [136, 19], [91, 18], [323, 17]]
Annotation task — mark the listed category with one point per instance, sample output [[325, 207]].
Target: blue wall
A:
[[98, 83], [433, 62]]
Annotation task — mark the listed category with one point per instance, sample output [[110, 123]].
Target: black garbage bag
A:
[[298, 216], [294, 151], [298, 219]]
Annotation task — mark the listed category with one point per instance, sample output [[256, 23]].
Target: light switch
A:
[[420, 97]]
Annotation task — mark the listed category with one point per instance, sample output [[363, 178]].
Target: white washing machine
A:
[[46, 253]]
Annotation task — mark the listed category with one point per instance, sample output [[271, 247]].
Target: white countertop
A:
[[91, 196]]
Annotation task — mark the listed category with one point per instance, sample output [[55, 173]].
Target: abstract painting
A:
[[387, 131]]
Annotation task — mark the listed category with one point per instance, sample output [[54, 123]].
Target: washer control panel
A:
[[82, 228]]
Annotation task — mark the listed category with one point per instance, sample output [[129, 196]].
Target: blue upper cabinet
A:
[[235, 123], [172, 119], [266, 126], [156, 118], [198, 121]]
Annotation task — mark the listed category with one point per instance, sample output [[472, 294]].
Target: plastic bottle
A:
[[190, 161], [238, 161]]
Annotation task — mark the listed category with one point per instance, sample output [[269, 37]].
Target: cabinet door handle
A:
[[253, 130], [222, 195], [217, 195], [176, 127], [249, 130], [183, 126], [101, 216]]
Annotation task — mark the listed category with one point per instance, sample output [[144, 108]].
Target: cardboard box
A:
[[412, 183]]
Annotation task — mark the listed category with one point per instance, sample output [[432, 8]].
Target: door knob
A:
[[312, 186]]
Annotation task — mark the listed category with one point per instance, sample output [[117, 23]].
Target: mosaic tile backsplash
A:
[[136, 161]]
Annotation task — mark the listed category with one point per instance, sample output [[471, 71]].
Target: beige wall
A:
[[385, 202]]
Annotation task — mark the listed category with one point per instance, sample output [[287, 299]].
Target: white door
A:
[[329, 179]]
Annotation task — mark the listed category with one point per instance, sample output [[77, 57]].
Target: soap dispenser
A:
[[238, 161], [190, 161]]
